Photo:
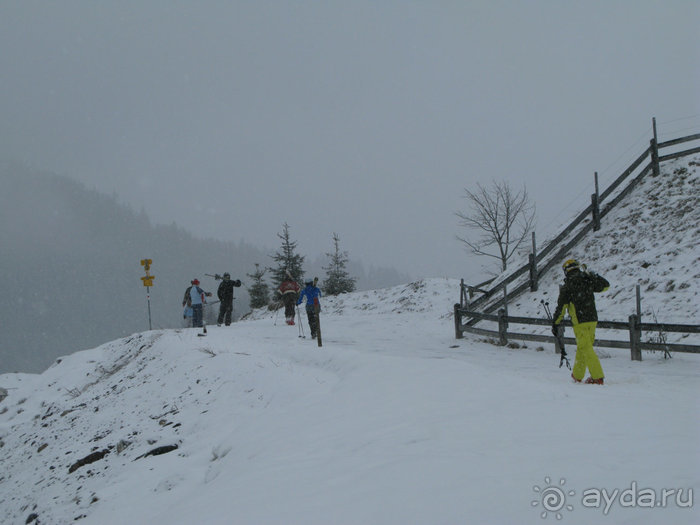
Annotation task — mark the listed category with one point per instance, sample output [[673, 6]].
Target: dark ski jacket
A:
[[186, 299], [576, 297], [311, 293], [225, 291]]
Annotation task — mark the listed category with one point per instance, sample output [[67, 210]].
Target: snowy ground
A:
[[393, 421]]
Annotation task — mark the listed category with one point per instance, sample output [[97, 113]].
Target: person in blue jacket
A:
[[313, 306]]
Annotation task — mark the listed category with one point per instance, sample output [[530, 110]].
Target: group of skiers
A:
[[195, 298], [576, 297], [290, 292], [292, 295]]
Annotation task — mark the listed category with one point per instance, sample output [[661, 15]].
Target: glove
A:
[[555, 330], [208, 294], [237, 283]]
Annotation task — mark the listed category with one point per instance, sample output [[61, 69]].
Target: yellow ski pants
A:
[[585, 355]]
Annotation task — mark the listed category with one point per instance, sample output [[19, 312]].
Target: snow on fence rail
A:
[[541, 262], [634, 327]]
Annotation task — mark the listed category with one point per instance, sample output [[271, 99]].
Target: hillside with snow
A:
[[392, 421], [651, 239]]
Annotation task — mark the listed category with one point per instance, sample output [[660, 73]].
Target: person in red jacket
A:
[[289, 290]]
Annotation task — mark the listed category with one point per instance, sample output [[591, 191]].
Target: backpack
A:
[[187, 300]]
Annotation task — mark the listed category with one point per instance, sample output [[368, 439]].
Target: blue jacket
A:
[[311, 293]]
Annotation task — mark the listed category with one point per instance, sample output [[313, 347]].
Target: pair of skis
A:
[[559, 337]]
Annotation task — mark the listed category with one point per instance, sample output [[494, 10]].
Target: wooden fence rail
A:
[[634, 327], [543, 261]]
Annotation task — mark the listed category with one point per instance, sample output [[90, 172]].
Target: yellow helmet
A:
[[571, 264]]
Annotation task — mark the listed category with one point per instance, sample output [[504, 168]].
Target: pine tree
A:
[[337, 279], [287, 260], [259, 292]]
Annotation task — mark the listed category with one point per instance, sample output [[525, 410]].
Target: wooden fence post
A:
[[458, 322], [595, 205], [655, 150], [635, 337], [534, 280], [502, 327]]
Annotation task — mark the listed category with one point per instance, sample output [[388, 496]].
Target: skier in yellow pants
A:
[[585, 355], [576, 297]]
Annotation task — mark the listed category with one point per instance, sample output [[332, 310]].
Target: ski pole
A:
[[301, 324]]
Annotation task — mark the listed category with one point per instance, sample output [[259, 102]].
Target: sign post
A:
[[148, 282]]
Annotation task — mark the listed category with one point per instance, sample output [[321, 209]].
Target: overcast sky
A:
[[363, 118]]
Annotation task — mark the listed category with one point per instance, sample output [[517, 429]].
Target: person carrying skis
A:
[[576, 297], [312, 294], [195, 298], [289, 290], [225, 295]]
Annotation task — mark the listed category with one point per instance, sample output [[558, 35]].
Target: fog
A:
[[363, 118]]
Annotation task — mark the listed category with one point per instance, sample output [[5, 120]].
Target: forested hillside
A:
[[70, 262]]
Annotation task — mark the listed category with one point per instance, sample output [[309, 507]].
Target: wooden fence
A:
[[634, 327], [561, 245], [498, 296]]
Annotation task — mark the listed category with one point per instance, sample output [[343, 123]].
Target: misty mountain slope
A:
[[391, 421], [652, 238], [71, 260]]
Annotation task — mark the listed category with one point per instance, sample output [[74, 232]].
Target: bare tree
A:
[[502, 219]]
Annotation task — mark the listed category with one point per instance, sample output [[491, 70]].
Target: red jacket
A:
[[289, 287]]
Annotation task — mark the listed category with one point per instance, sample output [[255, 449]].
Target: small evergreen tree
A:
[[337, 278], [287, 260], [259, 292]]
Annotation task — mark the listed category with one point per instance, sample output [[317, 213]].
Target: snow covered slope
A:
[[651, 239], [392, 421]]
